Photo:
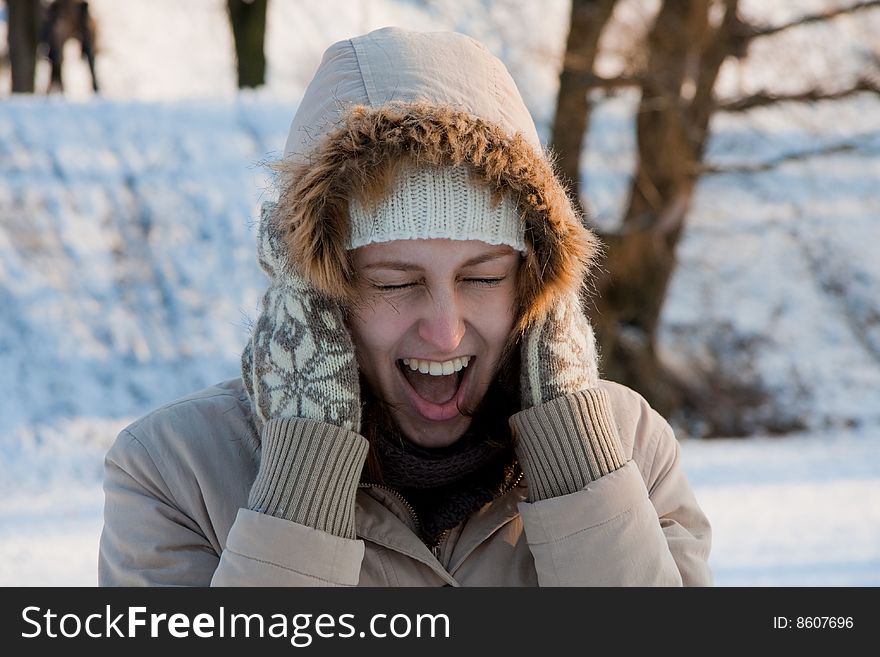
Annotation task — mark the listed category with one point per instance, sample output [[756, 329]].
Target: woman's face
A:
[[429, 334]]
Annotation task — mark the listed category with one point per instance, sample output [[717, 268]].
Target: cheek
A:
[[495, 317], [375, 331]]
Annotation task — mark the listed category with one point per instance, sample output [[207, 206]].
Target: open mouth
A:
[[435, 382]]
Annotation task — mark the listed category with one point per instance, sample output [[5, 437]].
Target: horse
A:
[[65, 20]]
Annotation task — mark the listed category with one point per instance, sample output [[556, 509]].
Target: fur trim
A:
[[361, 158]]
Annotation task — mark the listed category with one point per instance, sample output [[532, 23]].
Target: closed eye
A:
[[486, 282], [393, 287], [480, 282]]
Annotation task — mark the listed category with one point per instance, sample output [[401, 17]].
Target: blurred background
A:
[[727, 152]]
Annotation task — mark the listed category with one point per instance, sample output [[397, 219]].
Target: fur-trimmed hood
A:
[[395, 97]]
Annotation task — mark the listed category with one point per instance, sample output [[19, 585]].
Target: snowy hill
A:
[[127, 258]]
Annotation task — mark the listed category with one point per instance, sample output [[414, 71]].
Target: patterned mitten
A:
[[300, 361], [558, 355], [566, 436], [300, 371]]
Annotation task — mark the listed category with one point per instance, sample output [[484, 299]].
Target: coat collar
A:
[[382, 517]]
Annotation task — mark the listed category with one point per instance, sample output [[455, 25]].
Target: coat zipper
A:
[[435, 548]]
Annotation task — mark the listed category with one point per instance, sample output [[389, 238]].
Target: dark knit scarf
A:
[[448, 485]]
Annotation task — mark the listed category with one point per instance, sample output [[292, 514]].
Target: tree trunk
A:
[[248, 20], [571, 122], [23, 34], [685, 55]]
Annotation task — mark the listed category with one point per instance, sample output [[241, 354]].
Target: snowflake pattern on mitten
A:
[[558, 354], [300, 360]]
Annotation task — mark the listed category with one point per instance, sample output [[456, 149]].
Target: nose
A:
[[442, 324]]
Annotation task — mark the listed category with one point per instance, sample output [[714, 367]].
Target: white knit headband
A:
[[429, 202]]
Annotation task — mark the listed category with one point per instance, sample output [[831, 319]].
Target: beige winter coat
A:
[[177, 485]]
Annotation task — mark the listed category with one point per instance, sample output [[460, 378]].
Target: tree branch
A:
[[765, 98], [798, 156], [757, 31], [593, 81]]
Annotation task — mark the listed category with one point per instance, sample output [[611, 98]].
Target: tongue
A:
[[435, 389]]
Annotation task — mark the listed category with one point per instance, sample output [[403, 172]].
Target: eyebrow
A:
[[402, 265]]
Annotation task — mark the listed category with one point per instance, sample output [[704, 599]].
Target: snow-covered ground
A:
[[127, 274]]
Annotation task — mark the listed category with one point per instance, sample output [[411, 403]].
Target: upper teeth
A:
[[435, 368]]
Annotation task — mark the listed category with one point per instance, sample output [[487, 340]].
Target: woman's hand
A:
[[566, 434], [301, 374], [558, 355], [300, 362]]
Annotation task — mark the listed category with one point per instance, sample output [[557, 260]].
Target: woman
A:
[[420, 401]]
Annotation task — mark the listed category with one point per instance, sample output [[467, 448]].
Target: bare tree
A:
[[23, 32], [685, 48], [248, 21], [588, 18], [685, 56]]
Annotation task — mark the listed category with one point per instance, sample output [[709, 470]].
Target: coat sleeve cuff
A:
[[566, 443], [309, 472]]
